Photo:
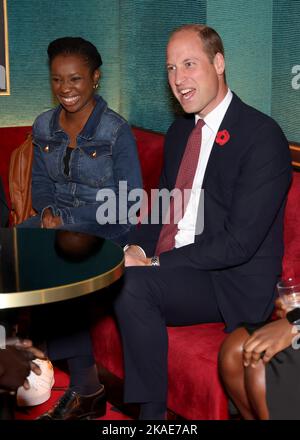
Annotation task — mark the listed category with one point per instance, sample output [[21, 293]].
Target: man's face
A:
[[196, 82]]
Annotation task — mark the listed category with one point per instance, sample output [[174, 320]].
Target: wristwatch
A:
[[155, 261], [293, 316]]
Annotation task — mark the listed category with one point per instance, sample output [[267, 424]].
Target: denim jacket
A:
[[105, 154]]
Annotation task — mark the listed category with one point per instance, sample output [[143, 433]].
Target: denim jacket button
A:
[[94, 154], [46, 149]]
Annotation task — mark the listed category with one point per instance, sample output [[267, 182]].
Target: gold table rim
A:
[[62, 292]]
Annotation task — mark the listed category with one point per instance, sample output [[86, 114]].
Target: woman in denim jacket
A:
[[85, 163], [85, 157]]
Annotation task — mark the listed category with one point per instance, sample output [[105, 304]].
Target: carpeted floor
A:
[[61, 383]]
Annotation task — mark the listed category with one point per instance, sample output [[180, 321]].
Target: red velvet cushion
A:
[[195, 391], [150, 149], [194, 388], [291, 260]]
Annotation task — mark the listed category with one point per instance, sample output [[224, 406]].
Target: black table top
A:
[[39, 266]]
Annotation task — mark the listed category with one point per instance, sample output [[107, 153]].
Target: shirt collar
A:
[[214, 118]]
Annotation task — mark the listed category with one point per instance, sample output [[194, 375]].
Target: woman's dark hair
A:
[[75, 46]]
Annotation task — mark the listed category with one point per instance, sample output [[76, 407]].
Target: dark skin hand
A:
[[16, 364], [280, 308], [50, 221], [267, 341]]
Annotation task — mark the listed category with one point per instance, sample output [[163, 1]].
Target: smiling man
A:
[[196, 73], [228, 273]]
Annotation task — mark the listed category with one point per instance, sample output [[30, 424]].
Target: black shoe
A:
[[72, 406]]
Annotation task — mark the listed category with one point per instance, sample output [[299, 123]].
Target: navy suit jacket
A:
[[245, 187]]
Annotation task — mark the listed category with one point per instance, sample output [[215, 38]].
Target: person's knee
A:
[[231, 353], [256, 377]]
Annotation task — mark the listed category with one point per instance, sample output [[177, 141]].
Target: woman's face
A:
[[73, 83]]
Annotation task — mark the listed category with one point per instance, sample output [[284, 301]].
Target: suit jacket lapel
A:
[[229, 121]]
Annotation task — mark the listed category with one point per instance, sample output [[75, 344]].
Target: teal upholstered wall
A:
[[32, 24], [286, 67], [261, 43], [263, 55], [145, 26], [246, 30], [131, 36]]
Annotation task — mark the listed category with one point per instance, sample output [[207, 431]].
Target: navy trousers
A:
[[65, 328], [151, 299]]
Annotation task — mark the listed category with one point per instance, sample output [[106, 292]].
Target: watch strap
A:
[[293, 315], [155, 261]]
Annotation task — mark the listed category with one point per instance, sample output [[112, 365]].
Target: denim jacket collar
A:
[[90, 127]]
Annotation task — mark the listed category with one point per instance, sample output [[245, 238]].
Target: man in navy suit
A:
[[228, 272]]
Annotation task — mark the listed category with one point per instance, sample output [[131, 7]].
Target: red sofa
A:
[[195, 391]]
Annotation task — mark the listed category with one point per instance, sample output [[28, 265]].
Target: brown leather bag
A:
[[20, 182]]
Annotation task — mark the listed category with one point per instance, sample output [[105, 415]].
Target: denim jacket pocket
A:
[[96, 165], [50, 153]]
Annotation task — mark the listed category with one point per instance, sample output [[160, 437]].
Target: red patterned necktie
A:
[[184, 180]]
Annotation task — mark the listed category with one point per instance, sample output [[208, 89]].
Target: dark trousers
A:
[[65, 328], [151, 299]]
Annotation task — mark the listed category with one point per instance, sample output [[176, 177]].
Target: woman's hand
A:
[[267, 341], [50, 221], [281, 308]]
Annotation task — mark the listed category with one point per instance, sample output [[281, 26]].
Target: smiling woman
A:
[[4, 64], [81, 148]]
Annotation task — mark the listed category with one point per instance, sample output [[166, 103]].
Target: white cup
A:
[[289, 292]]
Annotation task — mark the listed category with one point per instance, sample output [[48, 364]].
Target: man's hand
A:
[[267, 341], [15, 366], [50, 221], [135, 257]]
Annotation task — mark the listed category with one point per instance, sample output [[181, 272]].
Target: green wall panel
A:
[[145, 26], [32, 25], [246, 30], [131, 36], [286, 56], [261, 41]]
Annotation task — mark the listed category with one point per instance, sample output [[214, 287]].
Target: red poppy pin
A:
[[222, 137]]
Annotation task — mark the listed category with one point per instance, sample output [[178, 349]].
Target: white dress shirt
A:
[[187, 225]]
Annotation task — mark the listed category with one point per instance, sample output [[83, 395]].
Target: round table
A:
[[40, 266]]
